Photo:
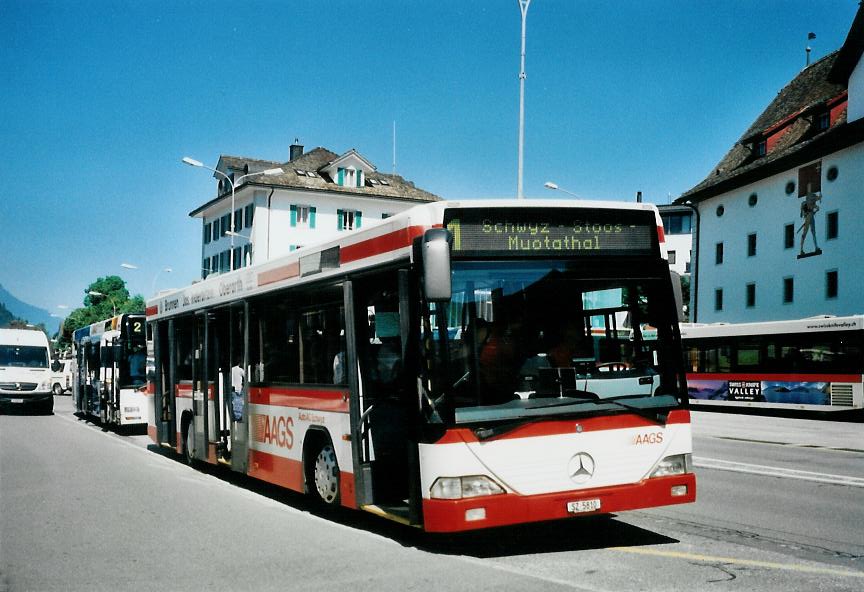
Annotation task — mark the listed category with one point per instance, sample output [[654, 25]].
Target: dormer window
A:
[[762, 148], [823, 122]]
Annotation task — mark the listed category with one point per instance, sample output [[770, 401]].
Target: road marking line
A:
[[733, 560], [738, 467]]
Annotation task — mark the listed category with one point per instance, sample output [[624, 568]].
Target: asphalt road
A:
[[780, 507]]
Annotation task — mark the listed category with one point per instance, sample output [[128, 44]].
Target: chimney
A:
[[296, 149], [638, 197]]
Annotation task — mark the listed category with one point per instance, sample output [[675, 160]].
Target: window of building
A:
[[751, 295], [832, 225], [788, 290], [303, 215], [214, 264], [824, 121], [349, 177], [810, 179], [751, 245], [762, 148], [238, 220], [205, 267], [237, 256], [672, 257], [249, 213], [216, 229], [718, 299], [225, 224], [348, 219], [208, 230], [831, 284], [676, 223], [247, 255], [788, 236], [718, 253], [225, 261]]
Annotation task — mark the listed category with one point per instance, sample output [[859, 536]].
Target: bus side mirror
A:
[[675, 277], [436, 264], [56, 366]]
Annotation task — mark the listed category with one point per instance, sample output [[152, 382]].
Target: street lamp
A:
[[523, 8], [234, 184], [113, 304], [153, 285], [554, 187]]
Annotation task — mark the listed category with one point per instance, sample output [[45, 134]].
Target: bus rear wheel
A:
[[325, 475], [189, 444]]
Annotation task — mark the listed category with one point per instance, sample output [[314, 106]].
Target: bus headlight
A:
[[678, 464], [45, 385], [464, 487]]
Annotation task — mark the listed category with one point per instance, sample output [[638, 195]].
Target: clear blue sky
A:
[[100, 100]]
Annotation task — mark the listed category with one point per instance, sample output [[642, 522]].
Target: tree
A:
[[685, 296], [98, 308]]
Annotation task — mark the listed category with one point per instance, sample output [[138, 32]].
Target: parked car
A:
[[61, 379]]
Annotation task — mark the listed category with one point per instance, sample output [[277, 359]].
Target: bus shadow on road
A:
[[576, 534], [582, 534]]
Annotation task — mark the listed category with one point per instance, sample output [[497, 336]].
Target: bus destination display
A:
[[545, 232]]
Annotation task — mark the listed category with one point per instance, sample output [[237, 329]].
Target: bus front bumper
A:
[[507, 509]]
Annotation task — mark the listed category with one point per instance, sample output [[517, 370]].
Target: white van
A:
[[61, 377], [25, 372]]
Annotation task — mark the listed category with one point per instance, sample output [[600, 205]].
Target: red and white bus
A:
[[814, 364], [458, 366]]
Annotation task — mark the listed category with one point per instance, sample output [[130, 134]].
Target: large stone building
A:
[[780, 225], [317, 195]]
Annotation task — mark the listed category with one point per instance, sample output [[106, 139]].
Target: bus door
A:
[[384, 428], [164, 378], [225, 363], [201, 388], [238, 401]]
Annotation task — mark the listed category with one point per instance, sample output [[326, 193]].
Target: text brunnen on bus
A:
[[394, 370]]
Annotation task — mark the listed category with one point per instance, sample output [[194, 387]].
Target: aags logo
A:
[[650, 438], [271, 429]]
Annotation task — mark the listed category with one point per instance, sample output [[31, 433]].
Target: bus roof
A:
[[382, 242], [99, 327], [808, 325]]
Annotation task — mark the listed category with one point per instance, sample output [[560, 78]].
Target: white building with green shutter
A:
[[318, 195]]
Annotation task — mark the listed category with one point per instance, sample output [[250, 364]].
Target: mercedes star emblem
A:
[[581, 467]]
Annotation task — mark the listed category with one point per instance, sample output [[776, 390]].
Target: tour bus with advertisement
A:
[[812, 364], [110, 371], [441, 367]]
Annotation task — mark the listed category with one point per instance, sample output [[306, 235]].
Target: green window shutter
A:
[[341, 177], [338, 219], [293, 215], [312, 217], [359, 176], [292, 248], [357, 215]]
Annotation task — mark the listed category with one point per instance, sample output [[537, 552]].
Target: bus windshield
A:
[[520, 336], [23, 356]]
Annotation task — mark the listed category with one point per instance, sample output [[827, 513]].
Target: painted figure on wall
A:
[[809, 207]]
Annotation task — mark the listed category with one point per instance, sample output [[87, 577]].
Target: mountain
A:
[[6, 317], [28, 312]]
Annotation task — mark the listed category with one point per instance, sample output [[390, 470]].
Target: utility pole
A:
[[523, 8]]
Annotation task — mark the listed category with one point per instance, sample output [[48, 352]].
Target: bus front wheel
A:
[[325, 474]]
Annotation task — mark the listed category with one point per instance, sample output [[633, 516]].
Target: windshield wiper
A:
[[655, 408]]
